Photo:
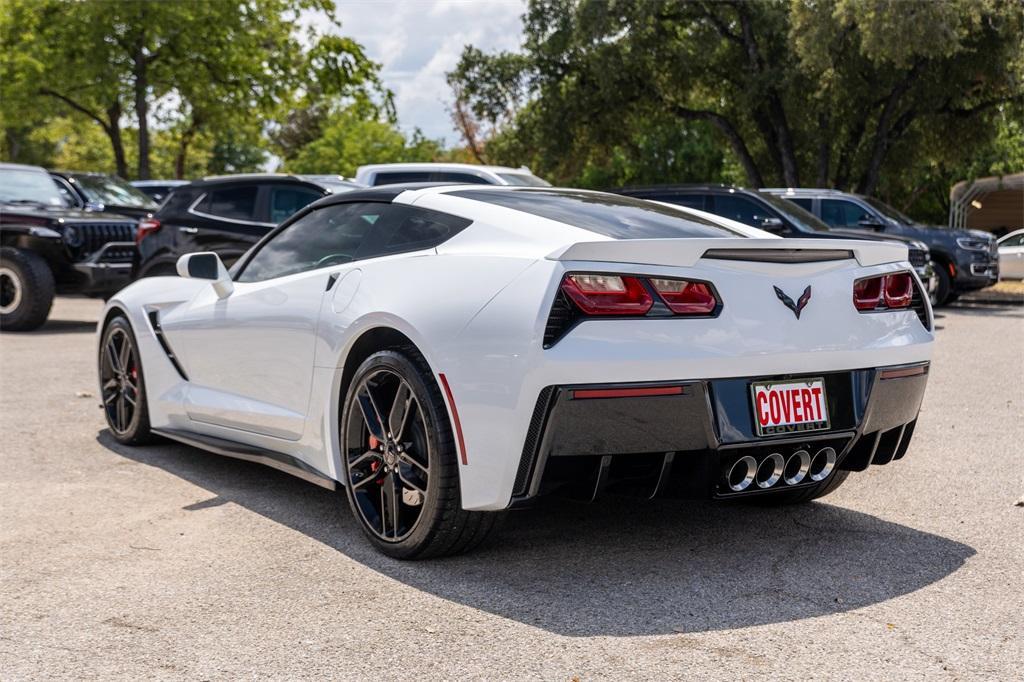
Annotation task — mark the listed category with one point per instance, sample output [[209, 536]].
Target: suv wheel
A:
[[944, 290], [26, 290]]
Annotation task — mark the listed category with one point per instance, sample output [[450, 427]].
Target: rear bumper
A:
[[680, 439]]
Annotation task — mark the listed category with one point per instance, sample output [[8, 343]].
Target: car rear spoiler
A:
[[686, 252]]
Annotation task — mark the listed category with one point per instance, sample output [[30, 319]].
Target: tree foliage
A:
[[349, 139], [836, 93], [193, 71]]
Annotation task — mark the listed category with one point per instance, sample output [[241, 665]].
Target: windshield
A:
[[888, 211], [523, 180], [796, 214], [105, 189], [29, 186]]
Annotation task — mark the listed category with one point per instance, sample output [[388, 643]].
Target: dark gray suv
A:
[[965, 260]]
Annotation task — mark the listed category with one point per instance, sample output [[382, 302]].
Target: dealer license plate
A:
[[789, 407]]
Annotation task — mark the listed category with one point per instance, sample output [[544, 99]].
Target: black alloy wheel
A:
[[388, 460], [121, 384], [401, 464]]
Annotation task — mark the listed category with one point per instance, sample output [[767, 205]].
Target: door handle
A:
[[188, 230]]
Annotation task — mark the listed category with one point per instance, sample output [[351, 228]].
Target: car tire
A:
[[123, 384], [403, 488], [944, 288], [26, 290], [803, 495]]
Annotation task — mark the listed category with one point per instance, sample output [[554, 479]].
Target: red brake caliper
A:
[[375, 464]]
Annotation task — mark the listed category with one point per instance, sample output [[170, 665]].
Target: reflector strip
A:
[[455, 417], [904, 372], [584, 394]]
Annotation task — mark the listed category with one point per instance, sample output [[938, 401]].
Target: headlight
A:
[[972, 244]]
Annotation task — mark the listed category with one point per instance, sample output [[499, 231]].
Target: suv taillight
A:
[[146, 227], [883, 292]]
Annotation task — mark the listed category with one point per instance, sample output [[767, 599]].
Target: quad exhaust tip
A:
[[799, 467], [770, 470], [823, 463], [742, 473]]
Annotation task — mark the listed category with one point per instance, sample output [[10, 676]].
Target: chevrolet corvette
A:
[[445, 353]]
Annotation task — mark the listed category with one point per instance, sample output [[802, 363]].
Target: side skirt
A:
[[251, 453]]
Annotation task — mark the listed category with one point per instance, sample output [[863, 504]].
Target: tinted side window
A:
[[688, 200], [327, 236], [461, 178], [286, 201], [802, 202], [236, 203], [838, 213], [396, 177], [740, 209], [412, 229]]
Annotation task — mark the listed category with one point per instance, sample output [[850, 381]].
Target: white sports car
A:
[[444, 353]]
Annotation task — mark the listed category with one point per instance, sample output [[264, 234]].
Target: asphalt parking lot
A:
[[168, 562]]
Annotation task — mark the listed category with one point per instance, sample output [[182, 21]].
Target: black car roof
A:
[[680, 187]]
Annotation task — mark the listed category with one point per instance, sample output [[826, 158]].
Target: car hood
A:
[[937, 230], [881, 236], [57, 214]]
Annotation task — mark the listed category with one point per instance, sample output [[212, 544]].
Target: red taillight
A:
[[897, 290], [867, 293], [146, 228], [684, 297], [884, 292], [607, 294]]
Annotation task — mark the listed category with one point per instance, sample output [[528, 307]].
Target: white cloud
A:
[[418, 41]]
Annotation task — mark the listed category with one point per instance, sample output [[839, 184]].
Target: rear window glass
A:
[[611, 215]]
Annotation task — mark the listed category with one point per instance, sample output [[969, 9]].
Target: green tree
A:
[[823, 92], [348, 139], [195, 68]]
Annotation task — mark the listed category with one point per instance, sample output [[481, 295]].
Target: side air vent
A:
[[532, 445], [780, 255], [562, 317], [918, 305], [154, 321]]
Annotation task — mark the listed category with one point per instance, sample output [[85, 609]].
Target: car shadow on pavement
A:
[[64, 327], [617, 567]]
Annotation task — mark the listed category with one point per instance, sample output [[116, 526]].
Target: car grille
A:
[[86, 239], [918, 258]]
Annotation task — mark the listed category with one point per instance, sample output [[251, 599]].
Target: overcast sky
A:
[[418, 41]]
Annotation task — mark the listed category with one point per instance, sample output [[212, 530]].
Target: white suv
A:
[[394, 173]]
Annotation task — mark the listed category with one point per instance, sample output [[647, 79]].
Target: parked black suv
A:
[[767, 212], [965, 260], [47, 247], [102, 192], [225, 214]]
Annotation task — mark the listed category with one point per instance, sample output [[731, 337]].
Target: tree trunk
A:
[[739, 147], [882, 139], [113, 129], [824, 150], [183, 144], [142, 106]]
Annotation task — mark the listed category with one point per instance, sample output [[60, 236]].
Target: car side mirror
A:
[[207, 265], [869, 223], [773, 225]]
